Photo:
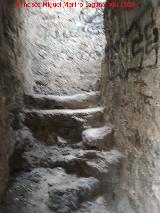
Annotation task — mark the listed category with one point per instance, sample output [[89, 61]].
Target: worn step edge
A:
[[99, 138], [65, 111], [65, 117], [68, 123], [38, 101]]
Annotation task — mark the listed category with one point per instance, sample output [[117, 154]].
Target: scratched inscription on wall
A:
[[133, 49]]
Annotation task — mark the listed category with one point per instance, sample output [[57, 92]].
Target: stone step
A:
[[78, 101], [87, 163], [69, 191], [45, 190], [99, 138], [66, 123]]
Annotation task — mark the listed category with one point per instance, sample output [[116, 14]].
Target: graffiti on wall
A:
[[134, 49]]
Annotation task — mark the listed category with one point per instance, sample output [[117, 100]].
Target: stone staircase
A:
[[65, 160]]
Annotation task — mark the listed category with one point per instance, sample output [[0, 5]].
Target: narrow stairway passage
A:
[[56, 171]]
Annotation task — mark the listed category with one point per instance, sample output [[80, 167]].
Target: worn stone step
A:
[[66, 123], [69, 191], [45, 190], [85, 163], [78, 101], [99, 138]]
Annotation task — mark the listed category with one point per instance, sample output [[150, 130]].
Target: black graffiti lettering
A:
[[156, 39], [156, 35], [129, 50], [136, 43], [152, 37], [149, 38]]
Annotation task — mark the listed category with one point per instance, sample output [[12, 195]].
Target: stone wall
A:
[[131, 70], [13, 82], [30, 40], [65, 46]]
